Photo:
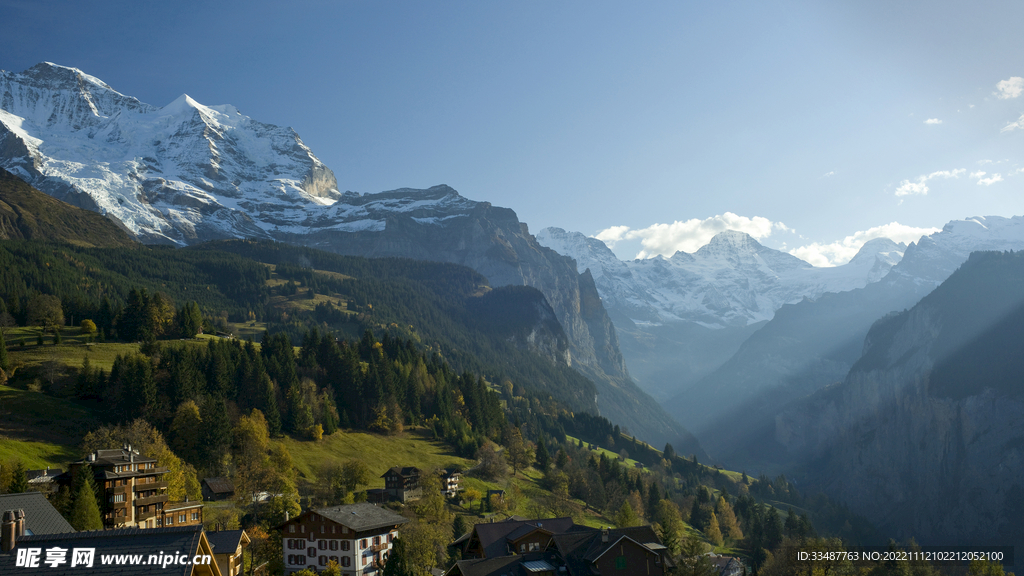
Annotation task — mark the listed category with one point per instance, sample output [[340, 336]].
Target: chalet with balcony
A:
[[356, 536], [402, 483], [133, 487]]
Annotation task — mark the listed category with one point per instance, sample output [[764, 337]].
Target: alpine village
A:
[[411, 384]]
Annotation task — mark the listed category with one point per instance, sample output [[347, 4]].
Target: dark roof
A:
[[116, 457], [495, 566], [359, 517], [181, 539], [219, 485], [580, 548], [225, 541], [40, 516], [43, 475], [493, 535], [404, 472]]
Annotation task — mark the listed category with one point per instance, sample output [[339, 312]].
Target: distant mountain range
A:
[[187, 173]]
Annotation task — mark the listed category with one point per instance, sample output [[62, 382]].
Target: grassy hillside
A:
[[28, 214]]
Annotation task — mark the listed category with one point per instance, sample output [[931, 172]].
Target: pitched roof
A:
[[363, 516], [404, 472], [219, 485], [40, 516], [227, 541], [580, 548], [502, 565], [41, 476], [128, 541], [493, 535]]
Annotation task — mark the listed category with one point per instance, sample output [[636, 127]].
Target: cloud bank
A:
[[689, 235], [933, 121], [982, 181], [920, 188], [842, 251]]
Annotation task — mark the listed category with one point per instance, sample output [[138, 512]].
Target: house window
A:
[[302, 528], [291, 528], [323, 560], [170, 520], [195, 516], [346, 561], [620, 562], [323, 529], [345, 545], [362, 544], [311, 552], [334, 544], [334, 558], [332, 528], [181, 517], [159, 522], [322, 544]]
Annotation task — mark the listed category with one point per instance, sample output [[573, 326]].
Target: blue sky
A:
[[803, 123]]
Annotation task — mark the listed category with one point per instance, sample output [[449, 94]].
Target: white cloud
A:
[[986, 181], [1014, 125], [829, 173], [613, 235], [688, 236], [1011, 88], [908, 188], [842, 251], [933, 121]]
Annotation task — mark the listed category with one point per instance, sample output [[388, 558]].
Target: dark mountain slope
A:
[[28, 214]]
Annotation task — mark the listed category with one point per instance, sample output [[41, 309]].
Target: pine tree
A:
[[19, 483], [85, 513], [543, 457]]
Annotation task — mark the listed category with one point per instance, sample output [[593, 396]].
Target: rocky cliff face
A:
[[921, 437], [439, 224]]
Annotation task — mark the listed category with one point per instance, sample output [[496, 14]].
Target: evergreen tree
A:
[[459, 526], [85, 513], [543, 458], [19, 482], [626, 517]]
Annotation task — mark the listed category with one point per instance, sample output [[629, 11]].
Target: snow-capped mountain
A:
[[180, 173], [733, 280], [186, 173]]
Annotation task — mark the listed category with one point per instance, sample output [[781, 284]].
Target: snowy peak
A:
[[182, 173]]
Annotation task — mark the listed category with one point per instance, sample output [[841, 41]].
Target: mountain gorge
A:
[[924, 434], [187, 173]]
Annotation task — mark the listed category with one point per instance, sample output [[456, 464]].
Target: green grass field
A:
[[41, 430]]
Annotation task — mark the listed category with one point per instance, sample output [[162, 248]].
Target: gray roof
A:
[[40, 516], [359, 517], [182, 539], [224, 541]]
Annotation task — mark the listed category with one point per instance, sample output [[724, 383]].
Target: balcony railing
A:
[[379, 547], [151, 500], [139, 517], [150, 486]]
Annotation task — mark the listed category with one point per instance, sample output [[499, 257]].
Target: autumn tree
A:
[[46, 311], [517, 452]]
